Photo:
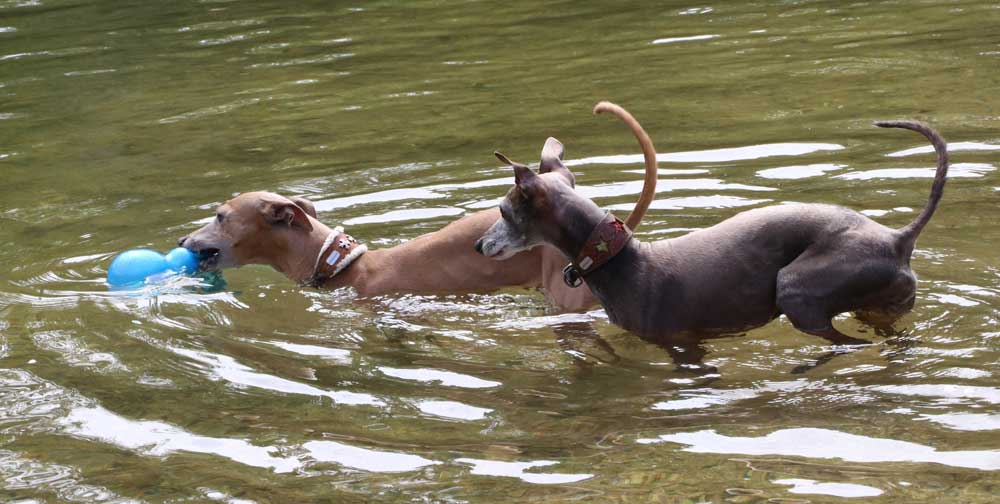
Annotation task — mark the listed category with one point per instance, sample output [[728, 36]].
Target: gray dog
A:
[[809, 262]]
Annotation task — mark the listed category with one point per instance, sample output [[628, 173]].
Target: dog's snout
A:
[[479, 245]]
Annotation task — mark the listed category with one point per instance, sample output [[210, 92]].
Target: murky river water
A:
[[123, 124]]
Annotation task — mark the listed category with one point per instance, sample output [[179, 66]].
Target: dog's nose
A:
[[181, 240], [479, 245]]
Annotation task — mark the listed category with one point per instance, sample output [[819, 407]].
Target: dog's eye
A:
[[504, 214]]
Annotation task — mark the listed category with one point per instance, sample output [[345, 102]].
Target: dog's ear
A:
[[285, 213], [524, 177], [306, 205], [552, 154], [506, 160]]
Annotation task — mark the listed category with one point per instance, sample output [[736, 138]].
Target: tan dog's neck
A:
[[299, 264], [353, 275], [303, 265]]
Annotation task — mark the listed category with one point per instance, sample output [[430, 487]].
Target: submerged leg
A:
[[581, 341], [688, 355]]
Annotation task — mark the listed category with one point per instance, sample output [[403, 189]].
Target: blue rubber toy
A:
[[137, 265], [182, 260]]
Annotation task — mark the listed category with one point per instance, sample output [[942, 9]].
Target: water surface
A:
[[123, 124]]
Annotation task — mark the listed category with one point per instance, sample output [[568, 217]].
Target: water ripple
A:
[[849, 490], [446, 378], [405, 215], [452, 409], [519, 470], [20, 473], [799, 172], [957, 170], [826, 443], [160, 439], [714, 155], [76, 353], [223, 367], [363, 458], [952, 147], [684, 39]]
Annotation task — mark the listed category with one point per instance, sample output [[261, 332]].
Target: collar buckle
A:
[[572, 276]]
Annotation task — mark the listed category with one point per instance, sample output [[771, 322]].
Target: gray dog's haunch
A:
[[809, 262]]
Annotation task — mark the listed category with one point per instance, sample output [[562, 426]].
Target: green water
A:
[[123, 124]]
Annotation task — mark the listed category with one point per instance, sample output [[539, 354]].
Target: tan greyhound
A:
[[284, 233], [808, 262]]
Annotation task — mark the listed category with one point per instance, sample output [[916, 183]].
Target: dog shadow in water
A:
[[588, 348], [894, 341]]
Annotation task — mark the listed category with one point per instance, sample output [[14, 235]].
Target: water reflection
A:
[[452, 409], [160, 439], [952, 147], [965, 421], [76, 353], [714, 201], [946, 392], [20, 473], [702, 398], [520, 470], [363, 458], [446, 378], [826, 443], [683, 39], [418, 193], [799, 172], [337, 355], [224, 367], [217, 495], [849, 490], [405, 215], [957, 170], [635, 187], [714, 155]]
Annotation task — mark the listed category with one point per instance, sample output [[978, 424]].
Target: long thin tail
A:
[[649, 183], [909, 233]]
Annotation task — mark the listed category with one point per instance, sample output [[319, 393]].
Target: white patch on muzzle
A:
[[502, 241]]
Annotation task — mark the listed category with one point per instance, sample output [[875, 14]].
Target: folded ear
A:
[[305, 205], [285, 213], [506, 160], [552, 153]]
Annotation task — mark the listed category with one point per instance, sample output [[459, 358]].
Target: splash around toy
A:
[[137, 266]]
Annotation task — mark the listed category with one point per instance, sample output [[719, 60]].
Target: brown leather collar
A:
[[607, 239], [339, 251]]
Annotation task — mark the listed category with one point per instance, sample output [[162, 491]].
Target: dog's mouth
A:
[[499, 254], [208, 259]]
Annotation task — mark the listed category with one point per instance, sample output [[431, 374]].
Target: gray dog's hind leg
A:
[[817, 322], [811, 291]]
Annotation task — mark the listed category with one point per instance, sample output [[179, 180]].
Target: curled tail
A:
[[908, 234], [648, 152]]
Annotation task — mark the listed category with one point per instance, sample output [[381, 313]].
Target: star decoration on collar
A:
[[619, 226], [602, 246]]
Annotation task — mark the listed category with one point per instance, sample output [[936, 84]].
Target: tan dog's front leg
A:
[[560, 295]]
